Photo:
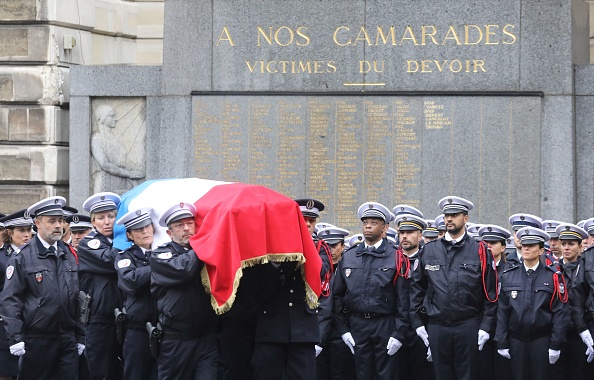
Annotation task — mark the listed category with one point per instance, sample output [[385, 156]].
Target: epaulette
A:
[[558, 270]]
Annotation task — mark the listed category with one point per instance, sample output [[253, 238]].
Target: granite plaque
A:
[[346, 150]]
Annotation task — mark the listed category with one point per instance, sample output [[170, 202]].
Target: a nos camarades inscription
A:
[[346, 150]]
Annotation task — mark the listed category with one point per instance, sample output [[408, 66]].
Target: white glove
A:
[[80, 348], [18, 349], [554, 356], [422, 333], [429, 357], [483, 337], [347, 338], [587, 338], [504, 352], [393, 346], [318, 350], [590, 354]]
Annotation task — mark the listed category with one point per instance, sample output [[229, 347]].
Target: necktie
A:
[[530, 271]]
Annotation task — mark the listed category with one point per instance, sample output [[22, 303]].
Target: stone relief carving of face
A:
[[110, 120]]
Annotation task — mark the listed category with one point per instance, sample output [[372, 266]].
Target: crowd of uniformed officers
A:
[[425, 299]]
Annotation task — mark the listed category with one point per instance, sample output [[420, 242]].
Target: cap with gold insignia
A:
[[101, 202], [410, 222], [494, 233], [431, 230], [79, 222], [406, 209], [550, 226], [532, 235], [354, 240], [521, 220], [568, 231], [51, 206], [322, 225], [17, 219], [454, 205], [135, 219], [589, 226], [310, 207], [440, 223], [333, 234], [177, 212], [374, 210]]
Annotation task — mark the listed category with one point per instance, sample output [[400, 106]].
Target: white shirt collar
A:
[[448, 237], [533, 268], [46, 244], [376, 245], [519, 254]]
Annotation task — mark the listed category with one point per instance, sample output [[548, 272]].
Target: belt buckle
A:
[[366, 315]]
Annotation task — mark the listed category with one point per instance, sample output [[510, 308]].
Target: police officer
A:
[[80, 226], [412, 356], [20, 228], [99, 280], [589, 227], [517, 222], [571, 364], [532, 315], [335, 361], [188, 348], [287, 329], [493, 366], [366, 304], [39, 303], [430, 233], [582, 303], [455, 286], [134, 279], [68, 211], [440, 223], [550, 227]]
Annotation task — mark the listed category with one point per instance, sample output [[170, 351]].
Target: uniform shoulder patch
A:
[[9, 272], [164, 255], [124, 263], [94, 243]]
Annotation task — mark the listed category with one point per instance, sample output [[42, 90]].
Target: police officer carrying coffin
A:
[[188, 348], [39, 303], [455, 287], [18, 237], [134, 279], [366, 304], [532, 315], [99, 280]]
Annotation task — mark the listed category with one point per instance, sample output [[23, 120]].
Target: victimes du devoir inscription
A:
[[386, 148]]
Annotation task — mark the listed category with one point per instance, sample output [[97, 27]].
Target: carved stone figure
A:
[[113, 169]]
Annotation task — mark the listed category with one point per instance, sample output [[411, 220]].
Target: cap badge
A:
[[327, 232], [449, 201], [526, 232], [401, 208], [550, 224], [310, 204], [75, 219], [490, 229], [371, 206], [360, 238], [55, 201], [103, 197], [567, 228], [522, 218], [138, 212], [26, 215], [181, 205]]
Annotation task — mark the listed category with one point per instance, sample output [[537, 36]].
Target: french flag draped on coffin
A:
[[237, 225]]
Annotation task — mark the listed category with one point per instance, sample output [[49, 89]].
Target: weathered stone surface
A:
[[47, 165], [34, 124], [14, 10], [18, 197], [31, 43], [34, 84]]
